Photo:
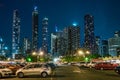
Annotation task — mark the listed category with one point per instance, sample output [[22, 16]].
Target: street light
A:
[[87, 52], [80, 52], [84, 53], [41, 53], [34, 53]]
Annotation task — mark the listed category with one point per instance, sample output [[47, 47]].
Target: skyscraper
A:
[[104, 48], [15, 33], [58, 46], [72, 38], [26, 46], [114, 44], [89, 41], [98, 45], [45, 35], [1, 45], [35, 29]]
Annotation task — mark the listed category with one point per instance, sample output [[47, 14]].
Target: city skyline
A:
[[61, 14]]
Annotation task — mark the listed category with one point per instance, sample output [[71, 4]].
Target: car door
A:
[[37, 69], [29, 70], [112, 66], [109, 66], [104, 65]]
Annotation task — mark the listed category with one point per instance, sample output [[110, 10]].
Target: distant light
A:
[[45, 18], [35, 8], [74, 24], [56, 28], [86, 59], [56, 59], [6, 48], [1, 39], [29, 59]]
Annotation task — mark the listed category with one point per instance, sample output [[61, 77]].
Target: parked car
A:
[[105, 65], [117, 69], [4, 72], [83, 64], [91, 64], [34, 69], [13, 67]]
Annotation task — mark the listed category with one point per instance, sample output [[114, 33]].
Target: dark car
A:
[[117, 69], [52, 65]]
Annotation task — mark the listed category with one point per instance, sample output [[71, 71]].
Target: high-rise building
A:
[[35, 29], [58, 46], [15, 33], [1, 45], [97, 45], [54, 45], [4, 50], [114, 43], [104, 48], [89, 41], [72, 39], [45, 35], [26, 46]]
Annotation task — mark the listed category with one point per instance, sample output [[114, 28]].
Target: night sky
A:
[[61, 13]]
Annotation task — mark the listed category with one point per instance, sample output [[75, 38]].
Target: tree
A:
[[2, 57]]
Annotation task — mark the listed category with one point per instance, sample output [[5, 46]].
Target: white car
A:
[[34, 69], [91, 64], [4, 72]]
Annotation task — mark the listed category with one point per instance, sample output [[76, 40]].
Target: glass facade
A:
[[45, 35], [89, 41], [35, 29], [15, 33]]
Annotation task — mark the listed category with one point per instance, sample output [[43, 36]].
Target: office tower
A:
[[104, 48], [72, 39], [45, 35], [4, 51], [15, 33], [114, 43], [54, 45], [26, 47], [58, 46], [89, 41], [35, 29], [1, 45], [98, 45]]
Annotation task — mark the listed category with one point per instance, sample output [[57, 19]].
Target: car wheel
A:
[[90, 67], [20, 75], [101, 68], [44, 74], [118, 72], [0, 75]]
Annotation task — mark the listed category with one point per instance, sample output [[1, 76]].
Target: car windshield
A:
[[2, 67]]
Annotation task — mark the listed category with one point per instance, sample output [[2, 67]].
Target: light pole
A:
[[35, 56], [84, 53], [41, 53], [81, 53]]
